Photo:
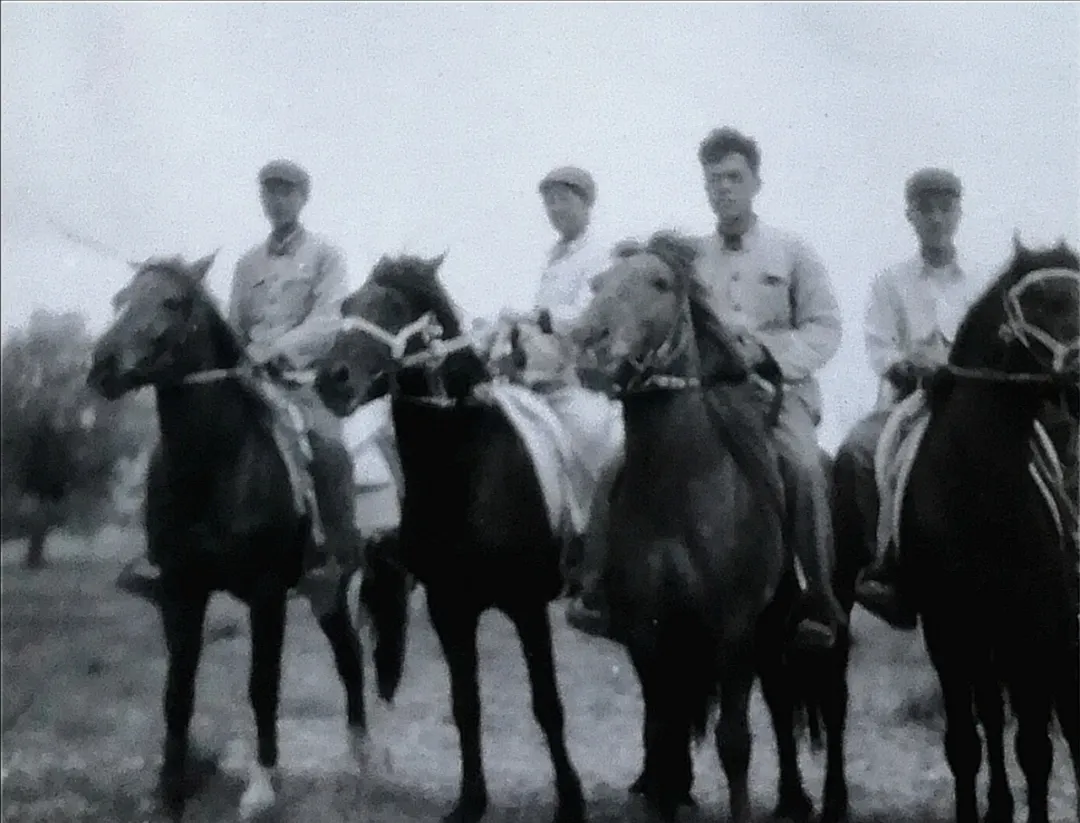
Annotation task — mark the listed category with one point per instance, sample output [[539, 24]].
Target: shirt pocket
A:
[[294, 299], [771, 299]]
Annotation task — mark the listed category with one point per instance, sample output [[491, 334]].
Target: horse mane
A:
[[737, 419], [976, 337], [718, 347], [224, 336], [977, 340]]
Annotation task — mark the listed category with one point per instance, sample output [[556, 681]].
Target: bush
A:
[[61, 443]]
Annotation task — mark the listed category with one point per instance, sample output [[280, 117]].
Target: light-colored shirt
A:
[[915, 310], [564, 283], [776, 288], [288, 298]]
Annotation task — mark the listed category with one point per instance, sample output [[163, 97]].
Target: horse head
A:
[[1027, 322], [649, 323], [166, 328], [398, 331]]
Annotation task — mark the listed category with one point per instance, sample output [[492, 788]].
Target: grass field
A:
[[83, 670]]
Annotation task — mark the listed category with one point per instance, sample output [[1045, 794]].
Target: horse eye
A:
[[174, 303], [661, 284]]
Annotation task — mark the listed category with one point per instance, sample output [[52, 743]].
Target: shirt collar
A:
[[287, 245], [954, 272], [563, 249], [747, 239]]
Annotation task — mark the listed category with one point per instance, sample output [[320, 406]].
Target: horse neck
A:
[[997, 415], [667, 434], [209, 420]]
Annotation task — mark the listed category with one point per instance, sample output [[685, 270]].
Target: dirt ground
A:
[[83, 671]]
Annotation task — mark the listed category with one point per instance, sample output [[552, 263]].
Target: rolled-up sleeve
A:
[[882, 329], [816, 328], [314, 335]]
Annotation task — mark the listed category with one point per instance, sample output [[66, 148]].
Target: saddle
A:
[[288, 426], [899, 445]]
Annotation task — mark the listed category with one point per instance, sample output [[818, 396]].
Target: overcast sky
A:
[[426, 127]]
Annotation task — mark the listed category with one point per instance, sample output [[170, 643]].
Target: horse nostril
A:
[[340, 373]]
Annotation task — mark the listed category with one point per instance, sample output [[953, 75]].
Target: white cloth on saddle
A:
[[899, 445], [571, 435]]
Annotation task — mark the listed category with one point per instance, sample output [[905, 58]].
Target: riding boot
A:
[[820, 616], [326, 566], [878, 590], [588, 612]]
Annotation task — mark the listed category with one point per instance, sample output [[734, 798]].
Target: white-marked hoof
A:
[[368, 755], [259, 796]]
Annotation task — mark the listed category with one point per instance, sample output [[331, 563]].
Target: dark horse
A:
[[474, 526], [989, 573], [220, 514], [700, 585]]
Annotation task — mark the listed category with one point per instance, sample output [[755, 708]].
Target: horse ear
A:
[[1018, 244], [200, 267], [436, 262]]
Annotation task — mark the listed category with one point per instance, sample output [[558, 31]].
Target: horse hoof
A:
[[259, 795], [794, 810], [833, 815], [467, 811], [172, 797], [368, 756]]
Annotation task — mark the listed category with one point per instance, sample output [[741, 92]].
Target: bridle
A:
[[1017, 327], [434, 352], [655, 370]]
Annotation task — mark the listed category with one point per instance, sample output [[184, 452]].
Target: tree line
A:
[[66, 455]]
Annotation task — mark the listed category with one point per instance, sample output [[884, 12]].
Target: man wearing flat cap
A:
[[285, 303], [911, 319], [285, 307], [592, 421]]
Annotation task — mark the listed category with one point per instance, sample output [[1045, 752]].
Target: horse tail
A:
[[687, 640]]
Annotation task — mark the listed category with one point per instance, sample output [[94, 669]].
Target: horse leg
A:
[[267, 612], [182, 615], [963, 749], [1067, 708], [1032, 703], [534, 630], [776, 687], [455, 625], [733, 736], [349, 660], [834, 707], [990, 705]]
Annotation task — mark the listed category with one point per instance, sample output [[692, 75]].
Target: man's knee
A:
[[858, 449]]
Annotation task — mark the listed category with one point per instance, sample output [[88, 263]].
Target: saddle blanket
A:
[[899, 445], [289, 428], [571, 435]]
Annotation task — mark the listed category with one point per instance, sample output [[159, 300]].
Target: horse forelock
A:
[[416, 279]]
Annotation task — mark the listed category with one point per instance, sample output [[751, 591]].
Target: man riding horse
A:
[[912, 317], [285, 306], [771, 288]]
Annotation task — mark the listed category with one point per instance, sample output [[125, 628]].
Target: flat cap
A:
[[285, 170], [935, 181], [577, 179]]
